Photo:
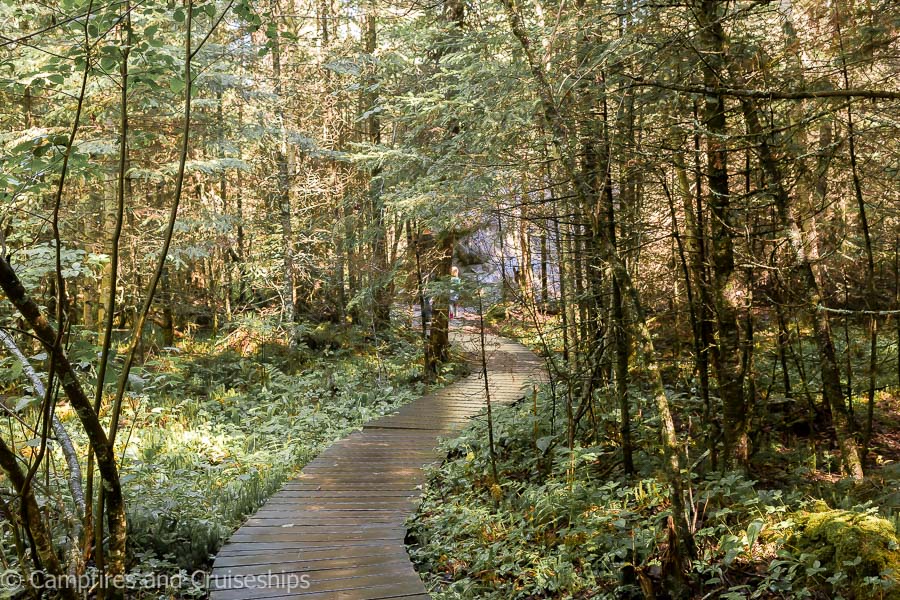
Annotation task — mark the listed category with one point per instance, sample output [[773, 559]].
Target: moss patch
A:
[[860, 544]]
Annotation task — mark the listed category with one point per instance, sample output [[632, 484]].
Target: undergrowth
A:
[[563, 524], [224, 430], [212, 428]]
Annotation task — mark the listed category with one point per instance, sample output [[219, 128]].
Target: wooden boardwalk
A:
[[337, 531]]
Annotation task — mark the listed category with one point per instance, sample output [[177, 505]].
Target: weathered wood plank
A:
[[341, 522]]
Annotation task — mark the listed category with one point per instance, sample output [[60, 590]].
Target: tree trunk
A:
[[727, 291], [525, 266], [439, 336], [40, 535], [695, 248], [381, 271], [282, 195], [106, 462], [544, 287], [809, 291]]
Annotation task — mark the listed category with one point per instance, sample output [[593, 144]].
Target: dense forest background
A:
[[218, 218]]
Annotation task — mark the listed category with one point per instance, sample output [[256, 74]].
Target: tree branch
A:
[[62, 436], [768, 94]]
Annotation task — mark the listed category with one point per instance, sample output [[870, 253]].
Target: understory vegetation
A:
[[215, 425], [569, 523]]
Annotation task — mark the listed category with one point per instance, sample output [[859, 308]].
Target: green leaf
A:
[[176, 84], [14, 371], [544, 443], [107, 63], [26, 402], [753, 532]]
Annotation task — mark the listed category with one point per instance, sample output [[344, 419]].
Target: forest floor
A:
[[212, 428], [886, 430], [569, 523], [340, 522], [230, 421]]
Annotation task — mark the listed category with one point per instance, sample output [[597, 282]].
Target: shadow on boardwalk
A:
[[337, 530]]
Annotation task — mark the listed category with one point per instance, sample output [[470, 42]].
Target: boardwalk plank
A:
[[341, 521]]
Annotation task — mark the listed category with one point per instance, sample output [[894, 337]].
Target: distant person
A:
[[455, 284]]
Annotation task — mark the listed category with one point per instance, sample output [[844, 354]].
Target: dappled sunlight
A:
[[500, 300]]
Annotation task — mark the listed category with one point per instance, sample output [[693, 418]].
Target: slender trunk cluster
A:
[[562, 142]]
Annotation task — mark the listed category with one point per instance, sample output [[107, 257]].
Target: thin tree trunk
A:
[[810, 291], [504, 283], [110, 278], [784, 340], [871, 295], [39, 533], [59, 430], [439, 338], [227, 254], [617, 325], [487, 391], [97, 437], [562, 139], [870, 396], [544, 287], [726, 287], [695, 248], [848, 350], [381, 271], [525, 260], [686, 272], [283, 193], [168, 318]]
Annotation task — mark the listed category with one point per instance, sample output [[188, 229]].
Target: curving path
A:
[[337, 530]]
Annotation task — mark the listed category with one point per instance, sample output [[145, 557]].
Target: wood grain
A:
[[337, 530]]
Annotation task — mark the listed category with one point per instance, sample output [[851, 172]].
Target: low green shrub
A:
[[561, 524]]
